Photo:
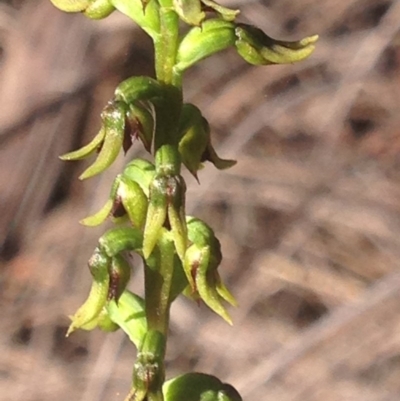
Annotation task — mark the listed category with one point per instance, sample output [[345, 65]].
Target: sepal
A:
[[99, 9], [142, 172], [113, 117], [176, 214], [100, 216], [105, 323], [156, 214], [95, 9], [195, 136], [86, 316], [144, 12], [87, 150], [134, 201], [116, 240], [189, 11], [108, 142], [258, 48], [226, 13], [211, 155], [195, 142], [140, 88], [71, 6]]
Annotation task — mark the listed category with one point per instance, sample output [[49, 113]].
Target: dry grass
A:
[[308, 219]]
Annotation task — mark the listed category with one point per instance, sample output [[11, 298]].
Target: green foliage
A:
[[181, 254]]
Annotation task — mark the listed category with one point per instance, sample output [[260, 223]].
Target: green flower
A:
[[258, 48], [166, 208], [201, 262], [195, 141]]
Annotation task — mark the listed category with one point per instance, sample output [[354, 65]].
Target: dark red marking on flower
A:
[[118, 209], [193, 273], [113, 286], [131, 132]]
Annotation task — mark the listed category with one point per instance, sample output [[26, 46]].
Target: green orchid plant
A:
[[180, 253]]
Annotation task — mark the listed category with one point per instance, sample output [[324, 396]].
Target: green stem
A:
[[166, 45], [159, 267], [158, 275], [158, 280], [166, 137]]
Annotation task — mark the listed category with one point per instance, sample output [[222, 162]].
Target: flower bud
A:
[[213, 36], [198, 387], [259, 49]]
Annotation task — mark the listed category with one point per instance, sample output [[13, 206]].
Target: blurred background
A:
[[308, 219]]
